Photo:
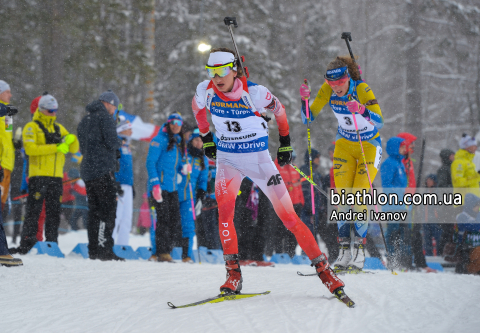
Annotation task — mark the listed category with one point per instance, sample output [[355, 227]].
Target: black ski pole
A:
[[420, 167], [229, 22], [348, 38]]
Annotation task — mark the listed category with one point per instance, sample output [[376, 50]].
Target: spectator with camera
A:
[[7, 151], [6, 259], [100, 146]]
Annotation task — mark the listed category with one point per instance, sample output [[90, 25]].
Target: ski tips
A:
[[394, 273]]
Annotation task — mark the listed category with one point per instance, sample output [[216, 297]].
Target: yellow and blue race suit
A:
[[348, 164]]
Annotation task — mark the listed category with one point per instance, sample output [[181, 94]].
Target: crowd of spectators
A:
[[180, 200]]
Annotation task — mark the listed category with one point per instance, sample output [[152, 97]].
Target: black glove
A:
[[200, 195], [209, 147], [119, 189], [118, 155], [284, 154], [11, 110], [1, 174]]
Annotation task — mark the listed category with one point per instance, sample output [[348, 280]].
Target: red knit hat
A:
[[34, 104]]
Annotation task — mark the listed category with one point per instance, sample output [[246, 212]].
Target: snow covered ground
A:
[[75, 295]]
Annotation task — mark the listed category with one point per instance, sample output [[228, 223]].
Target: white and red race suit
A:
[[242, 151]]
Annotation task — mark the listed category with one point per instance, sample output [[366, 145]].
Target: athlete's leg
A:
[[227, 184], [373, 155], [263, 172], [344, 168]]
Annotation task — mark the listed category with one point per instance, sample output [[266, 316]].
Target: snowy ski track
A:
[[75, 295]]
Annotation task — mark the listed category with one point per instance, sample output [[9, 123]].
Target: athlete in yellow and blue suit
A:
[[343, 80]]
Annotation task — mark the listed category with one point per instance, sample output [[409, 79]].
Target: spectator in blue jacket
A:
[[394, 181], [198, 179], [164, 163]]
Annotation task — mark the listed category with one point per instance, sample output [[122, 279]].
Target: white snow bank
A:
[[75, 295]]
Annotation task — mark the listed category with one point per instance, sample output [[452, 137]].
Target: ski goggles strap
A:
[[221, 71]]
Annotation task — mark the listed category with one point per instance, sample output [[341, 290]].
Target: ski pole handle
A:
[[231, 20], [348, 38], [307, 107]]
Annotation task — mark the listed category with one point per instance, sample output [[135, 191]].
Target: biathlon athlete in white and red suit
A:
[[242, 151]]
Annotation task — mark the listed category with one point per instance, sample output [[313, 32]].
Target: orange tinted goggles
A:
[[338, 82]]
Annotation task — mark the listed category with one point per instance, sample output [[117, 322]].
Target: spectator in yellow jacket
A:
[[6, 259], [465, 178], [46, 142], [7, 151]]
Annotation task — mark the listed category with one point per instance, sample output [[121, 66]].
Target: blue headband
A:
[[336, 74], [174, 116]]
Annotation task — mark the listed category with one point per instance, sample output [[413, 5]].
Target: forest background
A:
[[421, 59]]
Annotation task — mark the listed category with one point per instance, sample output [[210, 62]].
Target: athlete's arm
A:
[[322, 99], [366, 96], [199, 109], [264, 99]]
